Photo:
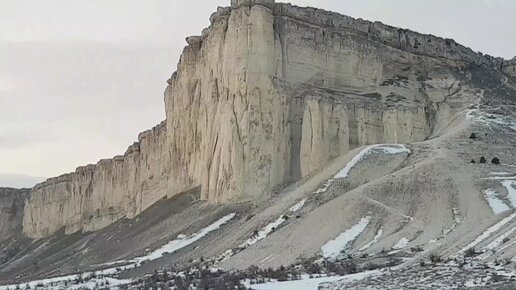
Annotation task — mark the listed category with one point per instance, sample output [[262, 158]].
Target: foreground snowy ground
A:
[[456, 274], [311, 284], [92, 280]]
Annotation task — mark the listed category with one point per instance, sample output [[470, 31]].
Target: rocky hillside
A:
[[95, 196], [372, 145], [509, 67], [266, 95]]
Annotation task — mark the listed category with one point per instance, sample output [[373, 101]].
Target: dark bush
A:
[[435, 258], [314, 268], [497, 278], [416, 249], [483, 160], [473, 161], [371, 266], [473, 136], [470, 253], [495, 161], [393, 262]]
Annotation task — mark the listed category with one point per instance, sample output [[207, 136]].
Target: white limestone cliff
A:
[[266, 95], [95, 196]]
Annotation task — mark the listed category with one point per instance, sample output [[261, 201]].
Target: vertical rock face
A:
[[95, 196], [509, 67], [233, 136], [266, 95], [11, 211], [271, 92]]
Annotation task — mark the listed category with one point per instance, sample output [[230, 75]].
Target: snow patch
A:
[[496, 204], [476, 282], [386, 148], [471, 114], [65, 282], [325, 187], [312, 284], [393, 149], [333, 248], [505, 246], [432, 241], [456, 215], [183, 241], [490, 120], [298, 206], [375, 239], [401, 244], [48, 281], [500, 178], [499, 241], [510, 185], [456, 219], [264, 232], [499, 173], [93, 284], [112, 263], [487, 233]]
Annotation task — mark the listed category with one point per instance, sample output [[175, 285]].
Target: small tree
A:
[[473, 161], [473, 136], [483, 160], [495, 161]]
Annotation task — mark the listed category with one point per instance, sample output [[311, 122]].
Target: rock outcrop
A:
[[95, 196], [11, 211], [509, 67], [268, 94]]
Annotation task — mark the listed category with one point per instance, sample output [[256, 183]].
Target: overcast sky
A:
[[79, 79]]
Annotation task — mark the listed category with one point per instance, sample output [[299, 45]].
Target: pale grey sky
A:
[[79, 79]]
